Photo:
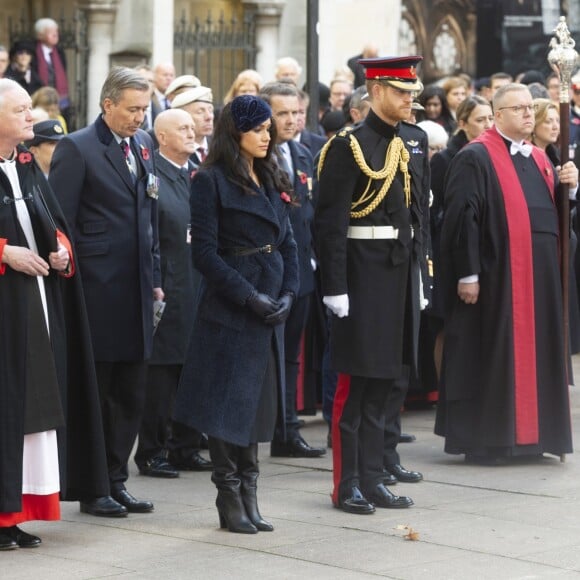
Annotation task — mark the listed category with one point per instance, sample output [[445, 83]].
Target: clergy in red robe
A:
[[51, 438], [505, 384]]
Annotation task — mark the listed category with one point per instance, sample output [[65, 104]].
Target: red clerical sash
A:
[[522, 280]]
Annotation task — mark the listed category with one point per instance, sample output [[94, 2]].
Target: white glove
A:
[[338, 304]]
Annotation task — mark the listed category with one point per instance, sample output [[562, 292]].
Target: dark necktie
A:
[[50, 67], [127, 153], [125, 148], [184, 174]]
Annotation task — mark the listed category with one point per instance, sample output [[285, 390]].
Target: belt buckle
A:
[[267, 249]]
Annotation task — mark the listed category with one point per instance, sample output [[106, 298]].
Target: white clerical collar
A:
[[521, 142]]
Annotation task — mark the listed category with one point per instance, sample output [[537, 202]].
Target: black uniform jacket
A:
[[380, 276]]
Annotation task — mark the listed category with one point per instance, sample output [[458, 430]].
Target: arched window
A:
[[407, 38], [446, 57]]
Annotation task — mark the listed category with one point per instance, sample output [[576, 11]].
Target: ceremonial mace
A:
[[562, 58]]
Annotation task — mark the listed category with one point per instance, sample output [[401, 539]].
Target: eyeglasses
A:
[[519, 109]]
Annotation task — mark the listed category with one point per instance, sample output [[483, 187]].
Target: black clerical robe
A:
[[24, 394], [505, 388]]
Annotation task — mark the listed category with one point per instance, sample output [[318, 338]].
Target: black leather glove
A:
[[262, 304], [284, 307]]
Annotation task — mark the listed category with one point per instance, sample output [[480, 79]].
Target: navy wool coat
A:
[[114, 223], [228, 353]]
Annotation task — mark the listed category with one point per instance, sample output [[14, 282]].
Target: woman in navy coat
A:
[[242, 244]]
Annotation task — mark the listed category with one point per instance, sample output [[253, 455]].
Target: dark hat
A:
[[249, 111], [323, 95], [50, 130], [21, 46], [481, 83], [400, 72], [532, 76], [333, 121]]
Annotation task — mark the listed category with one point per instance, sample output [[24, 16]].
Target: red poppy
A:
[[285, 197], [144, 153], [24, 157], [302, 176]]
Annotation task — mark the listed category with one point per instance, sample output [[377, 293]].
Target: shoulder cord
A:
[[397, 155]]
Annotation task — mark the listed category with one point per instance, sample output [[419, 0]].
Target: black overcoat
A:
[[381, 277], [82, 462], [114, 225], [177, 273], [229, 348], [302, 214]]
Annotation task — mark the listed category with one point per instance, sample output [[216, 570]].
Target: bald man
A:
[[174, 130]]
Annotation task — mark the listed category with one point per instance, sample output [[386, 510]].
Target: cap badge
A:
[[57, 129]]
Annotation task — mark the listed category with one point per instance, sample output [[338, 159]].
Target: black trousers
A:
[[394, 404], [358, 425], [122, 392], [293, 331], [157, 432]]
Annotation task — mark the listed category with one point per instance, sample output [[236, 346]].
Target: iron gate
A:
[[215, 50], [73, 40]]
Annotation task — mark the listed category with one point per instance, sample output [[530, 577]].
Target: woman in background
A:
[[545, 136]]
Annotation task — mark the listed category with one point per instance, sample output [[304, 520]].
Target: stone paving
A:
[[471, 522]]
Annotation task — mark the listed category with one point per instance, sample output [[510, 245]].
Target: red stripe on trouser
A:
[[340, 398]]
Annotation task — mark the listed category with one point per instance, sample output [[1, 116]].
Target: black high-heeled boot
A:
[[249, 471], [231, 509]]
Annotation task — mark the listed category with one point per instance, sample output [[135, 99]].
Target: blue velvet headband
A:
[[249, 112]]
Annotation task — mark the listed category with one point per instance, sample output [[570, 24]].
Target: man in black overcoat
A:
[[372, 227], [176, 137], [104, 178], [297, 162]]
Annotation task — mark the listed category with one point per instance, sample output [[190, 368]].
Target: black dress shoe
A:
[[297, 447], [23, 539], [407, 438], [355, 503], [381, 497], [105, 507], [158, 467], [403, 474], [389, 478], [7, 542], [133, 505], [195, 462]]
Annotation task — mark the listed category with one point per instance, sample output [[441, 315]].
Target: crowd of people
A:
[[180, 274]]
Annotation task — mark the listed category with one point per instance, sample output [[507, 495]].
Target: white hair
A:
[[436, 134], [43, 24]]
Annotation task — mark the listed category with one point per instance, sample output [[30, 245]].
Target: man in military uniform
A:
[[372, 225]]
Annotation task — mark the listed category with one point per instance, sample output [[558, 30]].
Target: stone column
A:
[[100, 19], [267, 21], [162, 31]]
